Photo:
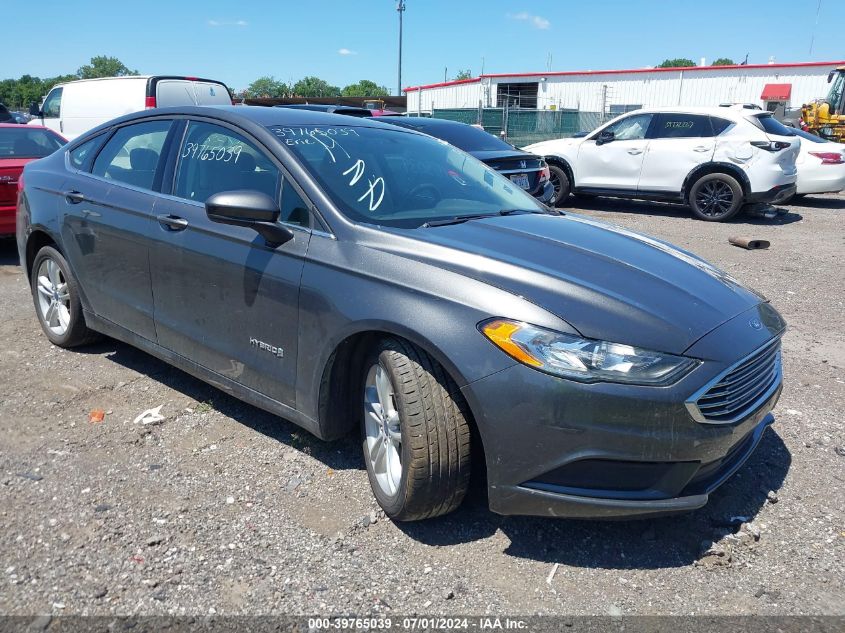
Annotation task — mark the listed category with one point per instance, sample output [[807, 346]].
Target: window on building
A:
[[517, 95], [623, 108]]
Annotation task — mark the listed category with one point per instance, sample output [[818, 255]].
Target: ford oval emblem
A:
[[755, 324]]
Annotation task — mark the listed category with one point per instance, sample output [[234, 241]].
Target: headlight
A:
[[582, 359]]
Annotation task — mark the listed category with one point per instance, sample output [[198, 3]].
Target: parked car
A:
[[20, 118], [821, 165], [526, 170], [335, 109], [78, 106], [19, 146], [348, 274], [713, 159]]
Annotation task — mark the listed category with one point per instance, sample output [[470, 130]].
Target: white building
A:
[[617, 91]]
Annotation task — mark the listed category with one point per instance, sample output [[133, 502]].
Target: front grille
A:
[[740, 390]]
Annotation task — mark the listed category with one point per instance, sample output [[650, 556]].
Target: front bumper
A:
[[544, 192], [556, 447], [775, 195]]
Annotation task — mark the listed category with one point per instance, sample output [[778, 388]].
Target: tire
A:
[[55, 293], [426, 416], [560, 181], [716, 197]]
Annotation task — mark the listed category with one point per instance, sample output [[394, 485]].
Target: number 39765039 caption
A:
[[196, 151]]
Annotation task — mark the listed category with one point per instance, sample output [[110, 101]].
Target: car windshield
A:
[[466, 137], [400, 179], [28, 142]]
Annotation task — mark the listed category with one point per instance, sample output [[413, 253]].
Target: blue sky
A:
[[343, 41]]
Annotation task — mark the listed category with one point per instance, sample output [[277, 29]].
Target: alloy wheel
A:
[[383, 435], [715, 198], [555, 180], [53, 297]]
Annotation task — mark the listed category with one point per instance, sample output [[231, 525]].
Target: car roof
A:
[[729, 112], [256, 115]]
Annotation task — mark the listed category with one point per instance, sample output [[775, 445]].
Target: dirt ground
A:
[[222, 508]]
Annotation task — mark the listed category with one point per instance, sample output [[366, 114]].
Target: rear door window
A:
[[176, 92], [213, 158], [719, 125], [132, 155], [675, 125]]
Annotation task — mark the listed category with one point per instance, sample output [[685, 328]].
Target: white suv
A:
[[713, 159]]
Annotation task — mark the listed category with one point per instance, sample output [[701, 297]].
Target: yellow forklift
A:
[[826, 117]]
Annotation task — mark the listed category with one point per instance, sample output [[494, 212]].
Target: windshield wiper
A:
[[460, 219]]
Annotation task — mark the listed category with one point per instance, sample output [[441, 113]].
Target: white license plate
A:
[[521, 180]]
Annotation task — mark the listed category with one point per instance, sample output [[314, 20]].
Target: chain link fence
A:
[[523, 127]]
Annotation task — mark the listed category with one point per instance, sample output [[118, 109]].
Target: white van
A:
[[78, 106]]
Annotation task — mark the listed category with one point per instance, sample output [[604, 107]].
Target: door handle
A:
[[74, 197], [634, 151], [702, 149], [172, 222]]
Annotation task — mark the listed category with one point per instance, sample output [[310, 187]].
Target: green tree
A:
[[102, 66], [365, 88], [267, 86], [680, 62], [314, 87], [724, 61], [463, 74]]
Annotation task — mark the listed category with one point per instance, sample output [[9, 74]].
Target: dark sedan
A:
[[527, 171], [352, 275], [331, 109]]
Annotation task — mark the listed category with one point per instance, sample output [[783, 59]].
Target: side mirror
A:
[[251, 209], [34, 110], [605, 137]]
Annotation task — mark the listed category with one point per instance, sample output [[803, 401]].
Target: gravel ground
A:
[[222, 508]]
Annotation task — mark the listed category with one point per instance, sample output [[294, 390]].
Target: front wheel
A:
[[560, 181], [715, 197], [416, 437]]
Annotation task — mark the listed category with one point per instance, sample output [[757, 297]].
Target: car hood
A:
[[605, 281], [551, 147]]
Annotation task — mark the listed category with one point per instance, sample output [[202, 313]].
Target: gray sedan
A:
[[350, 275]]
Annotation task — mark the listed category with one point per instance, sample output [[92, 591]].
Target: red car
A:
[[19, 145]]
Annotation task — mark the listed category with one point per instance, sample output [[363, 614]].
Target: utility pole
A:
[[400, 8]]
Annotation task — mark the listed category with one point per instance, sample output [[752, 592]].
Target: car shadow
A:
[[669, 209], [809, 202], [671, 541], [342, 454]]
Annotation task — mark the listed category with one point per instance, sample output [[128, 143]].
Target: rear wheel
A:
[[416, 437], [716, 197], [56, 296], [560, 181]]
